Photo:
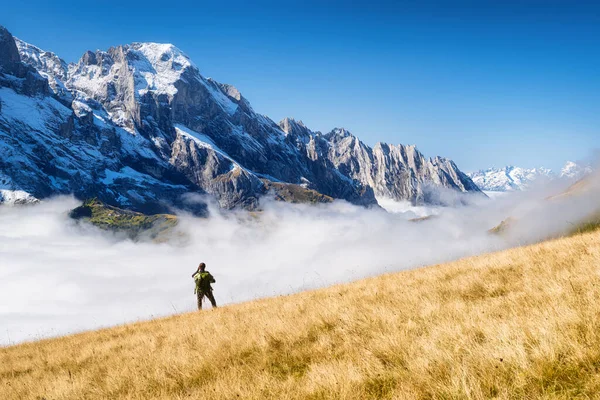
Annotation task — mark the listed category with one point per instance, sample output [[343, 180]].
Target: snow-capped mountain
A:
[[515, 178], [575, 171], [508, 178], [139, 127]]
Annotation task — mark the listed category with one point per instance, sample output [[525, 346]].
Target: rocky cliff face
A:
[[139, 127], [391, 171]]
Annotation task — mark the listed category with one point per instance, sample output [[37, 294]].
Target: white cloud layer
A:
[[57, 277]]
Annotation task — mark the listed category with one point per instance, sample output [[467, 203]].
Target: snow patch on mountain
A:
[[16, 197], [128, 174], [11, 195], [35, 112], [202, 141]]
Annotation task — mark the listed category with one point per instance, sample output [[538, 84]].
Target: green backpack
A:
[[203, 281]]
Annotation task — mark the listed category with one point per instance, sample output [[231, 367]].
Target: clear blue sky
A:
[[485, 83]]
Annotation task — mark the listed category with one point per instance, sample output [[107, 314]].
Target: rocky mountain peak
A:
[[440, 160], [342, 139], [165, 59], [45, 61], [293, 127], [88, 58], [48, 65], [340, 133], [148, 67]]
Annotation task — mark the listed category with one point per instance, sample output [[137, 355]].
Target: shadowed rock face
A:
[[10, 54], [139, 127]]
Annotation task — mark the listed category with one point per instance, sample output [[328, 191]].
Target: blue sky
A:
[[485, 83]]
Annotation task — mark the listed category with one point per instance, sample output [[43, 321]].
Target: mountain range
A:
[[512, 178], [139, 127]]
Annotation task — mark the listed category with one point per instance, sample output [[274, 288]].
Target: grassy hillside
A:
[[523, 323]]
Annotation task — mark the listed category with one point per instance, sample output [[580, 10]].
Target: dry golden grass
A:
[[523, 323]]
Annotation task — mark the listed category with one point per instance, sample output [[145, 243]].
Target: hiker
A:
[[203, 279]]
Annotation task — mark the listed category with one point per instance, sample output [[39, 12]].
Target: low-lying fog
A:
[[57, 277]]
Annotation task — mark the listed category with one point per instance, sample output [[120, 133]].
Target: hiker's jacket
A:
[[203, 281]]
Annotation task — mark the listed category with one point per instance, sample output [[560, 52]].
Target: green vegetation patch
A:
[[133, 224]]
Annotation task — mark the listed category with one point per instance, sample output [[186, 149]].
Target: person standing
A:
[[203, 280]]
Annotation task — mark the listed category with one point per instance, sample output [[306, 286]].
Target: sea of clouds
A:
[[58, 276]]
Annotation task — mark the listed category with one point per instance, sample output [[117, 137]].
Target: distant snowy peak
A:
[[509, 178], [512, 178], [575, 171]]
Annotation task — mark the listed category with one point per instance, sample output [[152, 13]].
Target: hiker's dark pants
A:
[[209, 295]]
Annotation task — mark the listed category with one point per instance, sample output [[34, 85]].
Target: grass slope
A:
[[523, 323]]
